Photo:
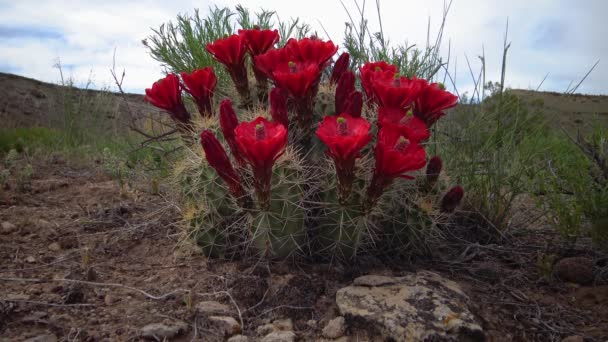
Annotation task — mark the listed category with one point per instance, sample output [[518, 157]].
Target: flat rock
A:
[[415, 307], [164, 330], [279, 336], [238, 338], [55, 246], [577, 270], [227, 326], [7, 227], [43, 338], [213, 308], [283, 324], [335, 328]]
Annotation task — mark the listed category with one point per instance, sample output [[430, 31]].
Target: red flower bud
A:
[[201, 84], [166, 94], [354, 105], [340, 68], [228, 122], [451, 200], [344, 89], [278, 107], [433, 169], [218, 159]]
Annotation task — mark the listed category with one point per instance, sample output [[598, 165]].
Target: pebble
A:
[[335, 328], [228, 326], [55, 247], [164, 330], [8, 227]]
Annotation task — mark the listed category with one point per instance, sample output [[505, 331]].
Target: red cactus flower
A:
[[395, 155], [278, 107], [398, 92], [228, 122], [230, 52], [201, 84], [311, 50], [297, 78], [262, 143], [340, 68], [433, 169], [369, 71], [344, 136], [259, 41], [401, 119], [166, 94], [431, 101], [267, 62], [218, 159], [344, 89], [451, 200]]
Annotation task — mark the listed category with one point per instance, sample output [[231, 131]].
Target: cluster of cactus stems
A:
[[310, 165]]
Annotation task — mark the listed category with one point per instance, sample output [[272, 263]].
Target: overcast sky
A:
[[563, 38]]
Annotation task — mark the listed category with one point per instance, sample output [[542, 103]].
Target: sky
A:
[[560, 39]]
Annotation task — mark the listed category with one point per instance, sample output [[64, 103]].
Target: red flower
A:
[[229, 51], [166, 94], [340, 68], [311, 50], [278, 107], [395, 155], [259, 41], [228, 122], [432, 100], [452, 199], [369, 71], [401, 119], [268, 61], [218, 159], [201, 84], [398, 92], [262, 143], [298, 79], [344, 136], [344, 89]]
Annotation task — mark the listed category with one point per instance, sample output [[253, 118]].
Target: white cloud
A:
[[560, 37]]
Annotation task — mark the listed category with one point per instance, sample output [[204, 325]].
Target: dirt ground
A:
[[87, 261]]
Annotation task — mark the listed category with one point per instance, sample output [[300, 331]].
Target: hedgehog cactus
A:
[[311, 166]]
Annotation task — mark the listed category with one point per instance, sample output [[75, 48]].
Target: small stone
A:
[[109, 299], [238, 338], [227, 326], [266, 329], [30, 259], [55, 247], [44, 224], [164, 330], [279, 336], [212, 308], [334, 328], [43, 338], [311, 323], [283, 324], [577, 270], [8, 227], [574, 338]]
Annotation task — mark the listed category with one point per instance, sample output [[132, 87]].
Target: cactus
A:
[[286, 176]]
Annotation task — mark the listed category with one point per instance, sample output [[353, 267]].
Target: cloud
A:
[[560, 37]]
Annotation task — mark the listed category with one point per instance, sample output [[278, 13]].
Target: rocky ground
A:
[[84, 260]]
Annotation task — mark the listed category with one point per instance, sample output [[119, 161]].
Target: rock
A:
[[574, 338], [311, 323], [30, 259], [164, 330], [43, 338], [279, 336], [577, 270], [283, 324], [212, 308], [334, 328], [8, 227], [44, 224], [266, 329], [416, 307], [55, 247], [238, 338], [226, 325], [110, 299]]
